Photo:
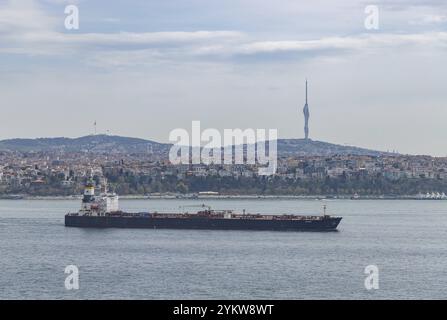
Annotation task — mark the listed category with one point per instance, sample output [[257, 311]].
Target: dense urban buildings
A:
[[63, 173]]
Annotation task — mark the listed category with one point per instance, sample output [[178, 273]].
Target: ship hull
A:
[[203, 223]]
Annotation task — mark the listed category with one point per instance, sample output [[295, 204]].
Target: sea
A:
[[403, 242]]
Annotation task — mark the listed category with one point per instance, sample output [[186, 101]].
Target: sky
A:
[[142, 68]]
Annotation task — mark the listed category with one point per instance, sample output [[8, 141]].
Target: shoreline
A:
[[221, 197]]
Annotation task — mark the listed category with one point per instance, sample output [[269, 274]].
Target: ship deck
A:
[[217, 215]]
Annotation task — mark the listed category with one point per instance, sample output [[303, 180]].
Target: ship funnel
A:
[[89, 190]]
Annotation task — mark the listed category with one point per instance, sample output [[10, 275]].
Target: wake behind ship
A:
[[103, 212]]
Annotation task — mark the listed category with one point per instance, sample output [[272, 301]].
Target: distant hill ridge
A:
[[309, 147], [91, 143], [119, 144]]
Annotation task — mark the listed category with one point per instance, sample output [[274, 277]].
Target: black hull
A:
[[203, 223]]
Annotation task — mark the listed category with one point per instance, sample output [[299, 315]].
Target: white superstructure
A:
[[92, 205]]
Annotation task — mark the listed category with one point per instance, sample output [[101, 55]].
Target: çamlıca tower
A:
[[306, 118]]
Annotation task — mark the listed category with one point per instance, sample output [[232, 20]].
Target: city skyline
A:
[[143, 71]]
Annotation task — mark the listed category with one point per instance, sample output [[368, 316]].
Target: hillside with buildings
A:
[[60, 166]]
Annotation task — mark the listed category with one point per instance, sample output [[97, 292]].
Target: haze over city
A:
[[145, 69]]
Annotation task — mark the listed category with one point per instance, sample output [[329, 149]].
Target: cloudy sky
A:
[[142, 68]]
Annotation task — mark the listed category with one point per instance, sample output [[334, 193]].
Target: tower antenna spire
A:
[[306, 90]]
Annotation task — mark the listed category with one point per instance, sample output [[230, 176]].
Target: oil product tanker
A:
[[102, 211]]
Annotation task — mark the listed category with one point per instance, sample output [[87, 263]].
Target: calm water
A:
[[407, 240]]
